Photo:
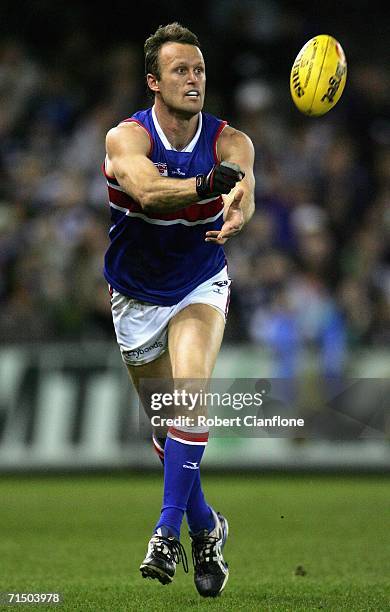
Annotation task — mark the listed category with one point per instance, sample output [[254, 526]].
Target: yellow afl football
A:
[[318, 75]]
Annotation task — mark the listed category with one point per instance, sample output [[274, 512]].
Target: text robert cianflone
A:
[[216, 421]]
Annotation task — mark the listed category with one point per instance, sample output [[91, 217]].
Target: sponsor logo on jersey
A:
[[177, 172]]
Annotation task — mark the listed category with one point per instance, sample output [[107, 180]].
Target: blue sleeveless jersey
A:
[[160, 258]]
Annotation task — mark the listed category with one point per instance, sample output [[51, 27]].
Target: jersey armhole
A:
[[221, 126], [131, 120], [108, 177]]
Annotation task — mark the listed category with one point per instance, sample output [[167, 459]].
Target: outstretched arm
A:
[[235, 146]]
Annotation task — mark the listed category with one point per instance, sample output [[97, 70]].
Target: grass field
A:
[[86, 536]]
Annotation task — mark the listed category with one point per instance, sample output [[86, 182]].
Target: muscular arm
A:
[[127, 154], [237, 147], [234, 146]]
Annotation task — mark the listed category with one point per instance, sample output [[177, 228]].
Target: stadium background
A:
[[310, 302], [311, 278]]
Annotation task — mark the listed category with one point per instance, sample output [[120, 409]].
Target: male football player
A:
[[180, 184]]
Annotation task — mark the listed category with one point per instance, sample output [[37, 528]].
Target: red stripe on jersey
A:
[[217, 135], [120, 198], [192, 212], [190, 436]]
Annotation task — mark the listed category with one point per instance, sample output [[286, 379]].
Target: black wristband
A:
[[201, 185], [221, 179]]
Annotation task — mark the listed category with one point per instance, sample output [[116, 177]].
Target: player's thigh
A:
[[194, 339]]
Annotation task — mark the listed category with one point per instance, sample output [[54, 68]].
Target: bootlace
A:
[[179, 554], [203, 550], [176, 548]]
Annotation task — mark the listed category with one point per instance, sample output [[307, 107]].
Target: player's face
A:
[[182, 80]]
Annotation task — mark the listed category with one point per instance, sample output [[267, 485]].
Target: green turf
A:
[[85, 537]]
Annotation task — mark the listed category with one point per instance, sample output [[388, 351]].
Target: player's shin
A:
[[199, 515], [183, 453]]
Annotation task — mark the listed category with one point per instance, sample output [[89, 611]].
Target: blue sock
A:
[[199, 515], [181, 465]]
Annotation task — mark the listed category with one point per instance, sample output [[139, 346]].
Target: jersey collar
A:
[[191, 145]]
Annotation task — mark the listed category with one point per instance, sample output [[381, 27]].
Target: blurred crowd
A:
[[312, 266]]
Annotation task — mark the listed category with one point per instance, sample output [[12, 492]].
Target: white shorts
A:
[[141, 328]]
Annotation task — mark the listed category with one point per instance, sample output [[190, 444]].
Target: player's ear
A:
[[152, 82]]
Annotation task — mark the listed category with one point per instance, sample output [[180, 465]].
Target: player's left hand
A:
[[234, 221]]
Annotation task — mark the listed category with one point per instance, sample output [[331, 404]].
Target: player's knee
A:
[[190, 396]]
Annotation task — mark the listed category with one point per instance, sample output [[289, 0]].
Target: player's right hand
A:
[[221, 179], [233, 224]]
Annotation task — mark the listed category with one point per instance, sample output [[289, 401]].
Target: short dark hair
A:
[[173, 32]]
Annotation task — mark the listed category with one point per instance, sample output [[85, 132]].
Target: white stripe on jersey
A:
[[166, 221], [117, 187]]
